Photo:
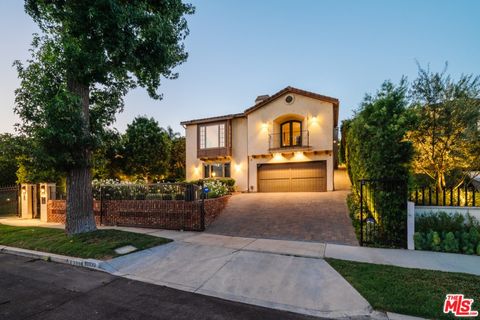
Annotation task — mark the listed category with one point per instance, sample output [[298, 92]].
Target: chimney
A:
[[261, 98]]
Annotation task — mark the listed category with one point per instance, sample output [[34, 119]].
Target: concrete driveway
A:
[[235, 270], [303, 216]]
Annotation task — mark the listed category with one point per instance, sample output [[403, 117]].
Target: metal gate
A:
[[9, 201], [383, 213]]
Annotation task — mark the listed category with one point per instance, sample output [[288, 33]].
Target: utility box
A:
[[28, 196], [47, 192]]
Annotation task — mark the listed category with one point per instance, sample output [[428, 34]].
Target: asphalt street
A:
[[36, 289]]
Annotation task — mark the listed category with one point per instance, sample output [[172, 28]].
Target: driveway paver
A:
[[301, 216]]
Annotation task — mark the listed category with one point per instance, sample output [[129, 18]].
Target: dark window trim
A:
[[208, 174], [290, 122], [225, 135]]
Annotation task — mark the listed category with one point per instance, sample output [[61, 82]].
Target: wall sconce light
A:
[[264, 127], [213, 174], [42, 190], [238, 167]]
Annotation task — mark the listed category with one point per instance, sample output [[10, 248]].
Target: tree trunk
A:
[[80, 217]]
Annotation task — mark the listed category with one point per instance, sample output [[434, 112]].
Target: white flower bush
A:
[[217, 188]]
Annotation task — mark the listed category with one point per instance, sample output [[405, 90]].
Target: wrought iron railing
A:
[[288, 140], [465, 195]]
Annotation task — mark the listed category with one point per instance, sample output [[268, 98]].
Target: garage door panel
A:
[[292, 177], [308, 184], [275, 185]]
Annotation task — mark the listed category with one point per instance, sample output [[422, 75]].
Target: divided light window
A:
[[212, 136], [216, 170]]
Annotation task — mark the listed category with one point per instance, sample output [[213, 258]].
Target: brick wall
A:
[[162, 214]]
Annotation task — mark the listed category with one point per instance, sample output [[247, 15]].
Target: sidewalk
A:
[[284, 275], [428, 260]]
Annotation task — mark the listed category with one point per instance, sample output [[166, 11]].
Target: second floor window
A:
[[212, 136], [291, 133]]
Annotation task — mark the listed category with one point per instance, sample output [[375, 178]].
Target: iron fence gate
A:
[[383, 213], [9, 201]]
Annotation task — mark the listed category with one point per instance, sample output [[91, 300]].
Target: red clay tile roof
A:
[[288, 89]]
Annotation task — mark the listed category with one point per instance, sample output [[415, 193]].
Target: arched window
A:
[[291, 133]]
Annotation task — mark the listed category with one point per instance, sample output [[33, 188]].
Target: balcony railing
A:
[[296, 140]]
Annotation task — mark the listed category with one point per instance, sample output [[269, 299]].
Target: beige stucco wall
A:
[[239, 164], [250, 136], [317, 119], [193, 166]]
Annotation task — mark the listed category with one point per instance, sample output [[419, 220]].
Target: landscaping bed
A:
[[100, 244], [408, 291], [445, 232]]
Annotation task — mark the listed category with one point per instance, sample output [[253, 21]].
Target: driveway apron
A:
[[298, 284]]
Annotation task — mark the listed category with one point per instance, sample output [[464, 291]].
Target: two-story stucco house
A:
[[284, 143]]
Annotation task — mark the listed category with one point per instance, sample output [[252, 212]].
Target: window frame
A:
[[221, 137], [290, 126], [207, 170]]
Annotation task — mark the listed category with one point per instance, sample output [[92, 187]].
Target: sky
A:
[[239, 49]]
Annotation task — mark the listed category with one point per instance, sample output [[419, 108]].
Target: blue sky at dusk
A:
[[241, 49]]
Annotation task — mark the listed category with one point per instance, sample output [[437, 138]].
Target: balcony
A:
[[289, 141]]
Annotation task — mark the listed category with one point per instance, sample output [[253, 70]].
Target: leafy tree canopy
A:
[[147, 149], [446, 134]]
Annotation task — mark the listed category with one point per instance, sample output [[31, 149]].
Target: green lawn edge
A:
[[414, 292], [99, 244]]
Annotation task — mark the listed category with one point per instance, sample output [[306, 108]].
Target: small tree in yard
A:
[[147, 149], [90, 54], [446, 135]]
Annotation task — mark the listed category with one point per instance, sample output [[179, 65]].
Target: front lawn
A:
[[100, 244], [408, 291]]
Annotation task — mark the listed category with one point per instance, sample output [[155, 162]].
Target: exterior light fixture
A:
[[238, 167]]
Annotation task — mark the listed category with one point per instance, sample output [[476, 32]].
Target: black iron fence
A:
[[383, 213], [465, 195], [9, 201]]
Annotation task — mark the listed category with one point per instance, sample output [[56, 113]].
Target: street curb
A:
[[104, 266], [79, 262]]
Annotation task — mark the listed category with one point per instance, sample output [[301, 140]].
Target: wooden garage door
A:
[[292, 177]]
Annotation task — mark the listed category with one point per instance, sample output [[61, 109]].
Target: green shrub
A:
[[450, 244], [447, 232], [217, 188], [440, 222], [419, 240], [436, 241]]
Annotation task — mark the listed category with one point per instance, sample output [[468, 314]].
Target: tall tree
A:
[[11, 150], [108, 158], [147, 149], [176, 169], [88, 57], [376, 147], [446, 135]]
